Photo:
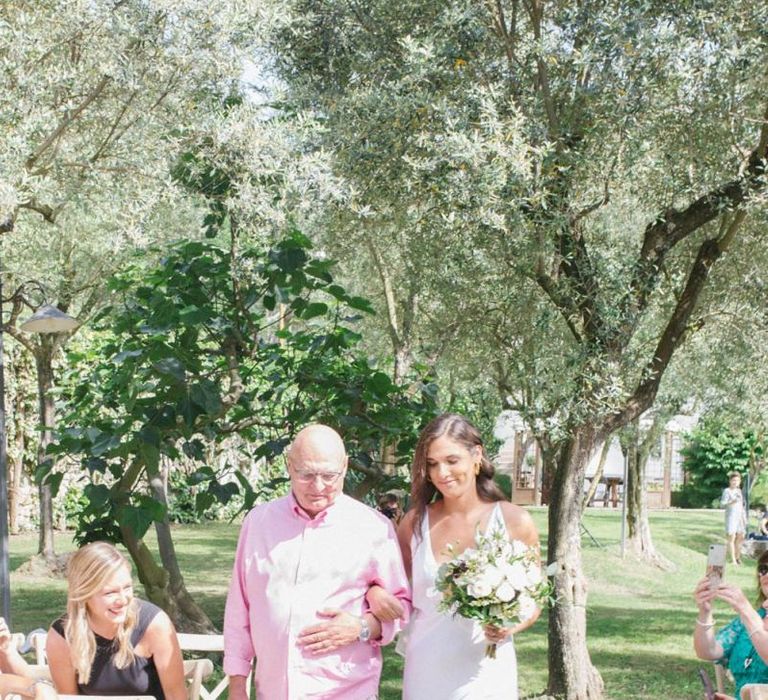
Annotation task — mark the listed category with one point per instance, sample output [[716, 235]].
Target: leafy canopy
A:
[[211, 345]]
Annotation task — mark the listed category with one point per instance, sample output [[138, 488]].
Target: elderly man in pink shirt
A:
[[303, 566]]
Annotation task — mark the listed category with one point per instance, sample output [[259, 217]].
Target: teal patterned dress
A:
[[740, 656]]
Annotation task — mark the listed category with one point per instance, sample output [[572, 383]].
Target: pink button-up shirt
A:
[[289, 566]]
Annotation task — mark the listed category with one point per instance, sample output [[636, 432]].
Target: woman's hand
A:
[[383, 605], [496, 635], [733, 596], [10, 659], [6, 641], [703, 595]]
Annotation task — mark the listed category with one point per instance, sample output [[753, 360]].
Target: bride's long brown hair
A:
[[423, 491]]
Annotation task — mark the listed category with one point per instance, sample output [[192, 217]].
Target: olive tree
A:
[[598, 161]]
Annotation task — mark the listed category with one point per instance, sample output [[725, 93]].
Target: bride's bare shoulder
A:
[[519, 523]]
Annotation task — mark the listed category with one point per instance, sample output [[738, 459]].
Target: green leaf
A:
[[137, 520], [336, 291], [125, 355], [54, 481], [361, 304], [171, 367], [103, 444], [193, 315], [314, 310], [203, 501], [206, 395]]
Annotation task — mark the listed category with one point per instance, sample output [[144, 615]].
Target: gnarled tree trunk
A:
[[164, 587], [637, 450], [590, 494], [571, 673], [187, 614]]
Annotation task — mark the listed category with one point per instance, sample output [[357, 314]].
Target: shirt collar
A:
[[299, 512]]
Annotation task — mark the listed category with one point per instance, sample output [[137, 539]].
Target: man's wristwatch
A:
[[365, 630]]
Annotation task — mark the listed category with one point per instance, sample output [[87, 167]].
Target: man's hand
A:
[[340, 629], [384, 605], [237, 689]]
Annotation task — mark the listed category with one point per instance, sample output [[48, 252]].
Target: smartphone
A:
[[709, 690], [716, 564]]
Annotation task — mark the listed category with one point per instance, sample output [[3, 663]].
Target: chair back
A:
[[37, 641], [201, 642], [195, 672], [208, 643]]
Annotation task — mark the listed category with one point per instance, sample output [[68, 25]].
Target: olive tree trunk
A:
[[637, 451], [571, 673]]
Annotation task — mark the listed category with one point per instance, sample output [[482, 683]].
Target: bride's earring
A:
[[478, 465]]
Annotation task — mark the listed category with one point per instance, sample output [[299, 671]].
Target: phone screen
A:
[[716, 564]]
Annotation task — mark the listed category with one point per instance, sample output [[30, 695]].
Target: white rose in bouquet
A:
[[482, 583], [506, 592], [516, 573], [527, 607], [533, 572]]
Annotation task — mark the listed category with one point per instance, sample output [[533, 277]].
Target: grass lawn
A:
[[640, 619]]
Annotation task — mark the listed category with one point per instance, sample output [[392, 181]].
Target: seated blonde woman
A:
[[110, 643]]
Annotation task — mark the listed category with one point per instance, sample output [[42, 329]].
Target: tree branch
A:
[[675, 225], [47, 212], [535, 13], [563, 302], [68, 120], [389, 295], [670, 339]]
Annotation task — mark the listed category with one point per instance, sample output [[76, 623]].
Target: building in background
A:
[[520, 457]]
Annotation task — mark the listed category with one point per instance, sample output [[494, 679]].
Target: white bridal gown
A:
[[445, 655]]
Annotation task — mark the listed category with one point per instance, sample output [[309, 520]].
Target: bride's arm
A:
[[520, 526]]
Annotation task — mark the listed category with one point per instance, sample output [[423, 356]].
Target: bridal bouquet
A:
[[497, 582]]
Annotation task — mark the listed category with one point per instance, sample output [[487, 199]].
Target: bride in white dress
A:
[[452, 496]]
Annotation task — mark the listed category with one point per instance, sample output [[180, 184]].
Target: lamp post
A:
[[47, 319]]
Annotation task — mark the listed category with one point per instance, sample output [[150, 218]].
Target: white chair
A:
[[195, 672], [208, 643], [37, 641]]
